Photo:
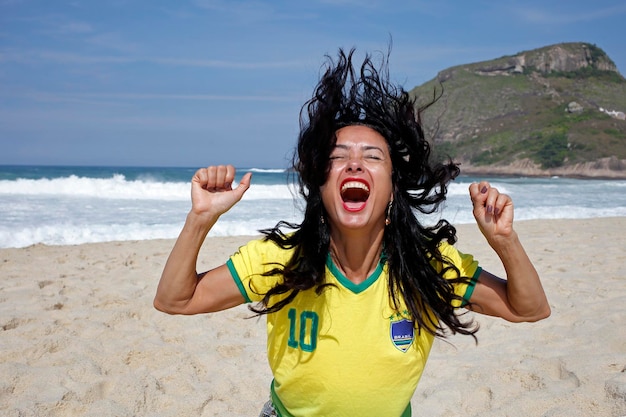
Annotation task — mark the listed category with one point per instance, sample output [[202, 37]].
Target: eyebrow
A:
[[364, 148]]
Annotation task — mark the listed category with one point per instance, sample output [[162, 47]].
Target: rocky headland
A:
[[553, 111]]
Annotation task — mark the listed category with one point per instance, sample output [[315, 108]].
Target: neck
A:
[[357, 256]]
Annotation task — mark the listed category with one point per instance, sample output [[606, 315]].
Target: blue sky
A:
[[199, 82]]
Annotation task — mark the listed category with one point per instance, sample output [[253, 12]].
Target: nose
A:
[[354, 165]]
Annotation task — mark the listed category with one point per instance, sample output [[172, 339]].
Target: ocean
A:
[[74, 205]]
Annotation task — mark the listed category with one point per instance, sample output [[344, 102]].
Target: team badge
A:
[[402, 334]]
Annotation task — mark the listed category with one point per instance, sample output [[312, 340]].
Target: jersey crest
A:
[[402, 334]]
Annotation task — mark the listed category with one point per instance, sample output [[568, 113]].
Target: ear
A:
[[393, 192]]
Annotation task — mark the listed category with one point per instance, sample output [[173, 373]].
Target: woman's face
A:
[[358, 187]]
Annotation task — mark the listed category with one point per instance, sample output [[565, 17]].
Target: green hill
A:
[[556, 110]]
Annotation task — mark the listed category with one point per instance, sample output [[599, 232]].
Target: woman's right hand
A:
[[211, 190]]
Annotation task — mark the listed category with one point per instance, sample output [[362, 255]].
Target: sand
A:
[[79, 336]]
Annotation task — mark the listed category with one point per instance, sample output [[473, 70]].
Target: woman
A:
[[355, 294]]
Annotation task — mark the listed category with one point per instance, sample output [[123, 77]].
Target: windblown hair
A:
[[346, 97]]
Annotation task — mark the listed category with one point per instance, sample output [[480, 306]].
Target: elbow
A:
[[539, 315], [543, 314], [158, 306], [172, 308], [163, 308]]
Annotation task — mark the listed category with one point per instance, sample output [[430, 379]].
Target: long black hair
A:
[[343, 97]]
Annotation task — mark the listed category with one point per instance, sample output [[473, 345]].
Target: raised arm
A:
[[521, 296], [181, 289]]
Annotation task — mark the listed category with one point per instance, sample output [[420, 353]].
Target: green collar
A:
[[355, 288]]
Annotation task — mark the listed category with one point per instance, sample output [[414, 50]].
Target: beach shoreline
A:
[[79, 335]]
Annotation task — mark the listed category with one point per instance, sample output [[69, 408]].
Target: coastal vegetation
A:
[[556, 110]]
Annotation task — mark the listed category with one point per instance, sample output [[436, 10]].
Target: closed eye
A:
[[337, 155]]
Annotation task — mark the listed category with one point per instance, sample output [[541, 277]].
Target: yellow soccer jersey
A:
[[344, 352]]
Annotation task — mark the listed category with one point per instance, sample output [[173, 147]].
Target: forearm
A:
[[524, 291], [179, 278]]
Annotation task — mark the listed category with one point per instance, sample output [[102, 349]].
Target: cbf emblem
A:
[[402, 334]]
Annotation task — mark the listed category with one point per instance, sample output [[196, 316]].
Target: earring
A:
[[388, 218], [322, 220]]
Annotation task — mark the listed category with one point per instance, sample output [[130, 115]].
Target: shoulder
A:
[[263, 248], [467, 265], [259, 256]]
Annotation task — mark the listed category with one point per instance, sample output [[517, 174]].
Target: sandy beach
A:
[[79, 335]]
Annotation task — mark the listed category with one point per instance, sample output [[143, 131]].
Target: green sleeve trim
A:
[[471, 286], [237, 279]]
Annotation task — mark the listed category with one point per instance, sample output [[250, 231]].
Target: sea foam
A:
[[67, 205], [118, 187]]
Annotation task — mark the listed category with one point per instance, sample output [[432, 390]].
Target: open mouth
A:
[[354, 195]]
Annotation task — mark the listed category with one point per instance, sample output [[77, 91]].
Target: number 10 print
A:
[[306, 326]]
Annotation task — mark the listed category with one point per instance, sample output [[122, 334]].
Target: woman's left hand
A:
[[521, 296], [493, 211]]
